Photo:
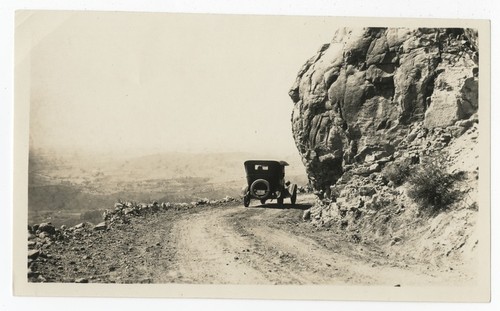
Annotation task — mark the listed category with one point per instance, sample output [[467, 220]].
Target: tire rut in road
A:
[[209, 253], [299, 258]]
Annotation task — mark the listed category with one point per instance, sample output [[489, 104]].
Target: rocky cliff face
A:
[[363, 94]]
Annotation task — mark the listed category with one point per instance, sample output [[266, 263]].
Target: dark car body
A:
[[266, 181]]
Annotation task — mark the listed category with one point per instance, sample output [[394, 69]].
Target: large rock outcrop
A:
[[361, 94]]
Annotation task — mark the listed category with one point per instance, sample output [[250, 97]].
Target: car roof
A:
[[265, 162]]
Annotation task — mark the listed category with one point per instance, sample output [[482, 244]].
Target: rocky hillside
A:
[[386, 122], [70, 254], [363, 93]]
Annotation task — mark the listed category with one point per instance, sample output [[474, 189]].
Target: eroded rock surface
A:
[[360, 96]]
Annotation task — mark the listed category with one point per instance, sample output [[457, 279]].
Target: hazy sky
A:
[[154, 82]]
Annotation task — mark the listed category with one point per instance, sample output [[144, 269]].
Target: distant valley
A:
[[71, 188]]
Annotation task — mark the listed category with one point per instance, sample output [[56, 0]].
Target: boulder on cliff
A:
[[361, 93]]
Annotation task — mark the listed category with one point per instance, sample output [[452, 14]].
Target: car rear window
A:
[[260, 167]]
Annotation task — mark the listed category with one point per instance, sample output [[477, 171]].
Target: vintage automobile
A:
[[266, 181]]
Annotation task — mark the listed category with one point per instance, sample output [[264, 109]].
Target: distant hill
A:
[[218, 167], [78, 182]]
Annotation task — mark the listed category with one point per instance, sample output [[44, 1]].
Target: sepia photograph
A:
[[251, 156]]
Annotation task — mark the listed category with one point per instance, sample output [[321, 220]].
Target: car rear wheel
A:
[[246, 200], [263, 201]]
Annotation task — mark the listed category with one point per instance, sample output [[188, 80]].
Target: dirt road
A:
[[261, 244], [264, 244]]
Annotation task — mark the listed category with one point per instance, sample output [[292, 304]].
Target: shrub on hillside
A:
[[431, 186]]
